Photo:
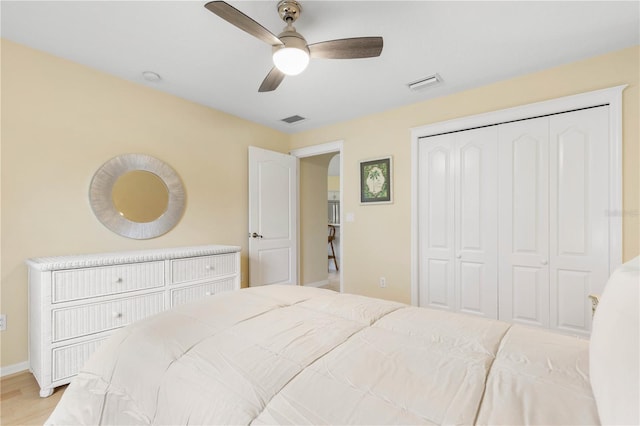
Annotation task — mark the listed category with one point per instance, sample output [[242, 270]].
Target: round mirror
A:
[[140, 196], [137, 196]]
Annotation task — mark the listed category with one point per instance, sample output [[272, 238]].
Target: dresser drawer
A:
[[75, 284], [94, 318], [198, 291], [202, 268], [67, 360]]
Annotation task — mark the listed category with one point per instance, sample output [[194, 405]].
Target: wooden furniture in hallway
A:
[[332, 237]]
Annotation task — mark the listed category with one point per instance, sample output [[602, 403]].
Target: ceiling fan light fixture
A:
[[291, 60]]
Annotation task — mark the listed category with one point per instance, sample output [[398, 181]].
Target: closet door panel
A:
[[471, 281], [469, 182], [573, 183], [436, 224], [524, 224], [579, 170], [438, 284], [571, 288], [529, 296], [476, 180]]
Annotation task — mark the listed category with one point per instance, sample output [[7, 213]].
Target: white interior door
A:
[[436, 222], [458, 222], [524, 221], [272, 218], [476, 216], [579, 219]]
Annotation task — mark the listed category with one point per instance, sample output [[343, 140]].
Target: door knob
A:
[[544, 262], [255, 235], [459, 256]]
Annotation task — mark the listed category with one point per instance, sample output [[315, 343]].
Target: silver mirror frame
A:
[[100, 196]]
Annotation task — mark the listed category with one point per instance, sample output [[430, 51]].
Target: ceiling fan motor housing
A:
[[293, 39]]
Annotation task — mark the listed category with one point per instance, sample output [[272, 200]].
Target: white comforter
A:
[[296, 355]]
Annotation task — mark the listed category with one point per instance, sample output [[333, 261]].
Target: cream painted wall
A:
[[60, 122], [333, 183], [378, 242], [313, 219]]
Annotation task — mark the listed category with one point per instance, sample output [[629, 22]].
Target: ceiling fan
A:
[[291, 52]]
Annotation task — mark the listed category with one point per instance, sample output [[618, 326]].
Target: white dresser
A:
[[75, 302]]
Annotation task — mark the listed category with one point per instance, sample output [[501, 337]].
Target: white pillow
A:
[[614, 348]]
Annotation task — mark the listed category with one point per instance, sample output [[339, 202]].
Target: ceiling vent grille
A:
[[293, 119], [425, 82]]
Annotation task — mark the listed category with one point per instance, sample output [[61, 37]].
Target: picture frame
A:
[[376, 181]]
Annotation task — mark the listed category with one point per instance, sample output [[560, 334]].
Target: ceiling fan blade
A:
[[272, 80], [242, 21], [347, 48]]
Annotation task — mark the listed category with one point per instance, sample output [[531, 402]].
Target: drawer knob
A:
[[117, 315], [209, 267], [209, 293], [119, 281]]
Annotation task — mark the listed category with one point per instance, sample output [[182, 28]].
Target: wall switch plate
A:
[[383, 282], [350, 217], [3, 322]]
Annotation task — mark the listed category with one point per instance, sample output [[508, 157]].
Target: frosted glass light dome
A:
[[291, 60]]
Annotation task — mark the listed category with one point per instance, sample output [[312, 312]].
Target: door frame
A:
[[312, 151], [611, 96]]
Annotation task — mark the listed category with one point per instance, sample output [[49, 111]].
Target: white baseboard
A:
[[317, 284], [15, 368]]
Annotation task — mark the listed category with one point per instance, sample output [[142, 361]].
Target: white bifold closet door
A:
[[553, 218], [523, 155], [513, 219], [458, 232], [579, 215]]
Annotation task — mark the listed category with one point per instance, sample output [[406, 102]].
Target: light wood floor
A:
[[20, 402], [334, 281]]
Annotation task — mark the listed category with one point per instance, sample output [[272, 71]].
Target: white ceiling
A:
[[204, 59]]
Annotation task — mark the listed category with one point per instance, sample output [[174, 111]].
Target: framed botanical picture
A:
[[375, 181]]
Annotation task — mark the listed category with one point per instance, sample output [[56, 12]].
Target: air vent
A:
[[293, 119], [425, 82]]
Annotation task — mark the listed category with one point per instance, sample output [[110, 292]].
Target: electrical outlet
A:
[[3, 322], [383, 282]]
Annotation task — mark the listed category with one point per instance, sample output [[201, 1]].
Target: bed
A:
[[297, 355]]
